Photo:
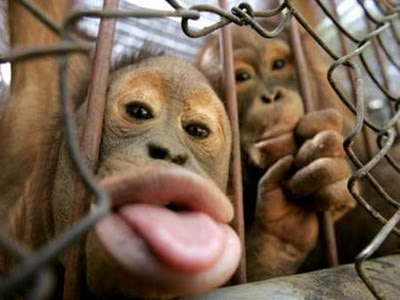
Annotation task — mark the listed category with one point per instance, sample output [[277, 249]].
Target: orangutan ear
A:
[[207, 55], [208, 62]]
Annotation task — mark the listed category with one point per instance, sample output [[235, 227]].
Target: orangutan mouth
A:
[[186, 238]]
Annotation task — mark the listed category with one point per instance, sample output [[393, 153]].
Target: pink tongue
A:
[[188, 241]]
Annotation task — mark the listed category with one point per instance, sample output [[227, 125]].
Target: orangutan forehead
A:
[[203, 99], [277, 47], [198, 93], [123, 82], [247, 55]]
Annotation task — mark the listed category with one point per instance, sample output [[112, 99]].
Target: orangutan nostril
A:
[[278, 95], [180, 159], [266, 99], [158, 152], [271, 97]]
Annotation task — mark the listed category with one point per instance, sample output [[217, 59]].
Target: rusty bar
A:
[[236, 170], [90, 143], [325, 218], [301, 68], [368, 144], [329, 238], [381, 62]]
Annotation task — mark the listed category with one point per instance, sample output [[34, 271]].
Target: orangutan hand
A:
[[293, 190]]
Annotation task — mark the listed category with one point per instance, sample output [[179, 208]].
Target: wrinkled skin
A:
[[293, 163], [164, 160]]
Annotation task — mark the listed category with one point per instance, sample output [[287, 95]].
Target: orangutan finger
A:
[[271, 200], [273, 149], [275, 175], [319, 173], [317, 121], [334, 197], [328, 143]]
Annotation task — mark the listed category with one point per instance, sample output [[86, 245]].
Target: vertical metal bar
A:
[[90, 144], [301, 69], [381, 62], [368, 143], [236, 170], [395, 32], [325, 218], [329, 238]]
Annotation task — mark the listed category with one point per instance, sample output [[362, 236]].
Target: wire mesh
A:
[[324, 218], [231, 103], [32, 264]]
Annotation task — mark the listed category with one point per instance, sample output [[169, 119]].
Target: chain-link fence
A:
[[32, 269]]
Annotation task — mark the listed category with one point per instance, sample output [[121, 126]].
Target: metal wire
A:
[[325, 219], [241, 15], [371, 248], [236, 168], [33, 264], [90, 141], [26, 270], [43, 280]]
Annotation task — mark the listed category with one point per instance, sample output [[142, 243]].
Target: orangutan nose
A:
[[271, 96], [159, 152]]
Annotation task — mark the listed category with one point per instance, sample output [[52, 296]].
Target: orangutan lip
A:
[[270, 135], [172, 187]]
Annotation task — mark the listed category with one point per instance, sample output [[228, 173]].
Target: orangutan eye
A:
[[197, 131], [242, 76], [138, 111], [278, 64]]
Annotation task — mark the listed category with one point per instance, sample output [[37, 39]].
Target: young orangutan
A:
[[164, 160], [293, 164]]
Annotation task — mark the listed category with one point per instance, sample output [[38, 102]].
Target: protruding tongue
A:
[[189, 241]]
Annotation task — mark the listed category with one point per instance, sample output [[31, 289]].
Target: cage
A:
[[360, 40]]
